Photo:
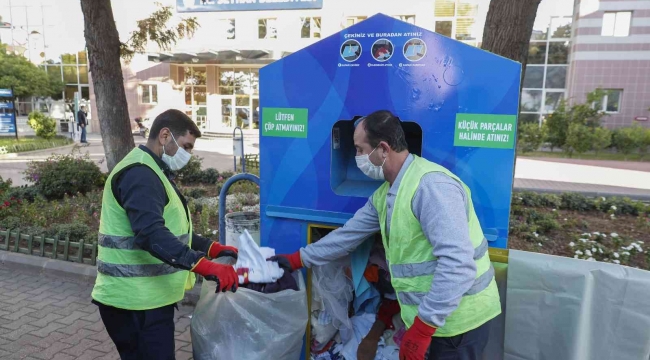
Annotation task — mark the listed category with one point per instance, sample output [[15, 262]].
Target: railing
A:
[[252, 161], [54, 248]]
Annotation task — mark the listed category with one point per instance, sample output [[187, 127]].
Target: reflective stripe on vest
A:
[[128, 242], [429, 267], [481, 283], [144, 270]]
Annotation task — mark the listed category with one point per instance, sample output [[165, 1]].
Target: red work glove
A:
[[416, 340], [290, 262], [217, 250], [224, 275], [387, 310]]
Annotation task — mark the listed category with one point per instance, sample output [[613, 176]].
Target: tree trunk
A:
[[103, 43], [508, 27]]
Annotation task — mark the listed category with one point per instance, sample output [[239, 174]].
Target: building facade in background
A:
[[611, 50], [214, 76]]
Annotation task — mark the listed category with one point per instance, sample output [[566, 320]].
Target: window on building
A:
[[457, 19], [354, 20], [444, 28], [267, 29], [310, 28], [149, 94], [617, 23], [531, 100], [407, 18], [611, 101], [226, 28], [555, 77]]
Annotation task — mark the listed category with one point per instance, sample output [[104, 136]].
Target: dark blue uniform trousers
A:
[[467, 346], [141, 334]]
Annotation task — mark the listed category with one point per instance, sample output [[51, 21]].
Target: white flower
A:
[[613, 208], [208, 230], [554, 209], [616, 262], [583, 240], [520, 198], [539, 244], [603, 198], [572, 244], [640, 242], [578, 252], [565, 219], [214, 232], [595, 233], [588, 253], [600, 250], [612, 216], [575, 256], [536, 234], [594, 249], [614, 235], [616, 255], [591, 259], [199, 234], [626, 253]]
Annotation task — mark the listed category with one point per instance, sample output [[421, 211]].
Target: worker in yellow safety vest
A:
[[148, 253], [435, 249]]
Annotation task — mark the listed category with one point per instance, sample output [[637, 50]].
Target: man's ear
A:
[[385, 147]]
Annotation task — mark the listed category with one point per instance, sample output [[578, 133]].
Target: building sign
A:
[[6, 93], [245, 5], [485, 131], [6, 105], [7, 124], [284, 122], [641, 118]]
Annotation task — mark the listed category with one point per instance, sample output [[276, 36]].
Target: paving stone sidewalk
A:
[[45, 317]]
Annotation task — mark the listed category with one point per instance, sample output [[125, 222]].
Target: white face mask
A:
[[368, 168], [179, 160]]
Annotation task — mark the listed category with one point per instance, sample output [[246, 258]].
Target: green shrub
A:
[[44, 125], [579, 139], [196, 193], [601, 139], [191, 173], [533, 199], [644, 142], [64, 174], [25, 193], [10, 223], [628, 139], [5, 185], [75, 231], [576, 202], [210, 176], [531, 137]]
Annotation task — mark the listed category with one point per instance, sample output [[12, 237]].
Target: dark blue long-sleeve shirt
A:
[[141, 193]]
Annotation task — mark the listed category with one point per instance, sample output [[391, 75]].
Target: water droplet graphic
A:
[[453, 75], [415, 94], [439, 86]]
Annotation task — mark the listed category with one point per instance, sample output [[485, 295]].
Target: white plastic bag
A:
[[335, 290], [253, 258], [249, 325]]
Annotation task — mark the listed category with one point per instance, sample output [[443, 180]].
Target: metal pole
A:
[[243, 158], [13, 104]]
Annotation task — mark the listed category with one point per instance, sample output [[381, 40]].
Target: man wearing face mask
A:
[[439, 263], [148, 254]]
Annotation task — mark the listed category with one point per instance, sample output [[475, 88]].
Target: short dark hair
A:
[[176, 121], [381, 126]]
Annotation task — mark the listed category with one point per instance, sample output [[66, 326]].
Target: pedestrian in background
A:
[[82, 121]]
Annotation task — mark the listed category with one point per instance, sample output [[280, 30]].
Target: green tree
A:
[[557, 125], [43, 125], [579, 139], [602, 138], [644, 141], [531, 137], [627, 139], [104, 52], [26, 78]]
